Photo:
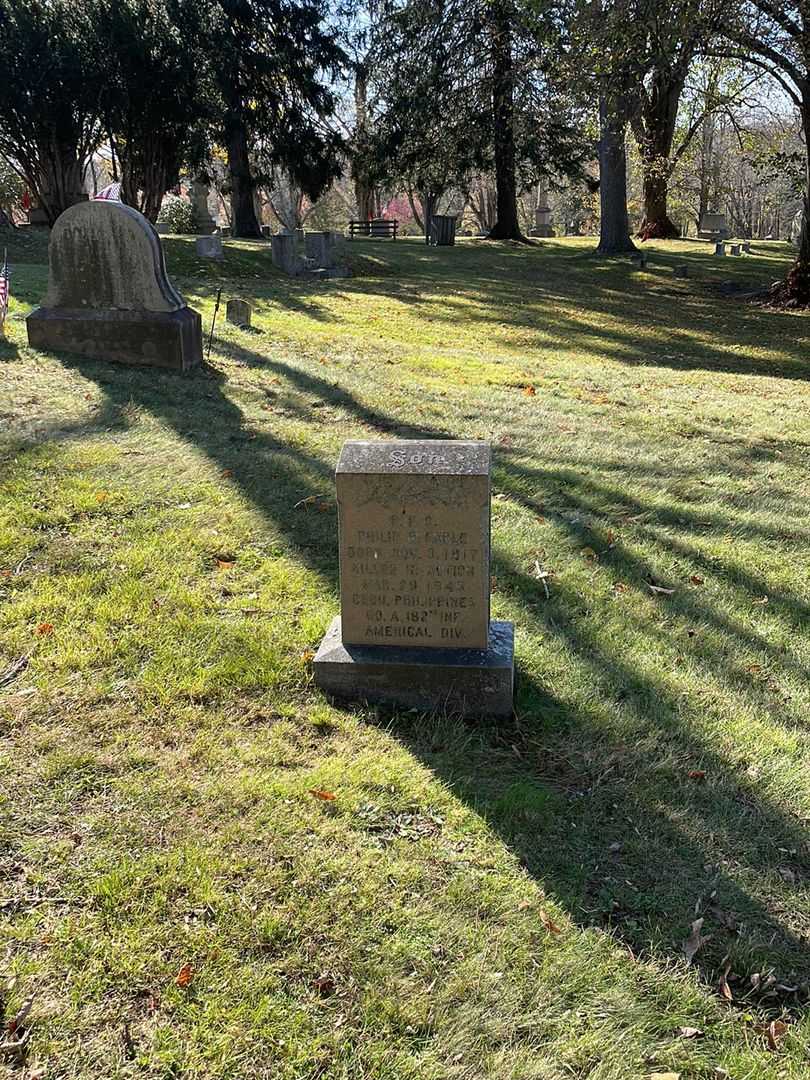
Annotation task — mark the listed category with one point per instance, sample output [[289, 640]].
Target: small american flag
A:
[[5, 274], [112, 192]]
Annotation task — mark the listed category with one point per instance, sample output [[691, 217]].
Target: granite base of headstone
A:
[[415, 629], [238, 312], [209, 247], [735, 249], [720, 248], [109, 296]]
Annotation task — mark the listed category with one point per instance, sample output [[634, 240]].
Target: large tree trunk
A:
[[364, 192], [59, 182], [614, 234], [243, 205], [657, 224], [796, 289], [507, 225]]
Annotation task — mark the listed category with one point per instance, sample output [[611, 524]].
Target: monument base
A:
[[545, 231], [171, 339], [474, 682]]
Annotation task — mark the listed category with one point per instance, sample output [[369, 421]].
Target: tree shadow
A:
[[614, 797]]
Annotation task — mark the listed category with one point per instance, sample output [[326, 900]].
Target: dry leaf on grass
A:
[[529, 391], [695, 941], [696, 579], [184, 975], [774, 1032], [327, 796], [307, 655], [697, 774], [548, 922], [689, 1032], [45, 629]]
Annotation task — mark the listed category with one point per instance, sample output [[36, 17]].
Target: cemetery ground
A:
[[208, 871]]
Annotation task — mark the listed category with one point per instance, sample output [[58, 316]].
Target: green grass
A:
[[491, 900]]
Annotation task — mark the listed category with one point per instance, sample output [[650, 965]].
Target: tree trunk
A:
[[364, 192], [796, 289], [507, 225], [657, 224], [430, 200], [59, 183], [243, 206], [614, 225]]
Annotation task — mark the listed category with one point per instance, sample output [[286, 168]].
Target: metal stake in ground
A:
[[213, 324]]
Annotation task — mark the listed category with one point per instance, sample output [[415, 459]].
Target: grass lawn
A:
[[479, 900]]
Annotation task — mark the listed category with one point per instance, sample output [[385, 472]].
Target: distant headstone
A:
[[713, 227], [735, 249], [267, 230], [415, 628], [324, 255], [746, 247], [299, 237], [108, 292], [639, 260], [682, 270], [238, 312], [542, 215], [203, 222], [443, 230], [209, 247], [284, 254], [720, 248]]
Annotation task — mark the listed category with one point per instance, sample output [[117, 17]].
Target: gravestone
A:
[[735, 249], [713, 227], [108, 293], [414, 628], [720, 248], [284, 254], [321, 247], [209, 247], [542, 215], [203, 222], [747, 247], [443, 230], [238, 312]]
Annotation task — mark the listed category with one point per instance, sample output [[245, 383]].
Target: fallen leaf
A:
[[549, 923], [45, 629], [529, 391], [762, 600], [776, 1029], [307, 655], [695, 941], [724, 988], [620, 587], [184, 975], [327, 796], [689, 1032], [324, 984], [102, 496], [589, 554], [696, 579], [224, 564], [227, 472], [697, 774]]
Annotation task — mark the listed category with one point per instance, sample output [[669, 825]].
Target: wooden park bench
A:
[[377, 227]]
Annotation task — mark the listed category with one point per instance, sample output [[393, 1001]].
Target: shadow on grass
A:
[[614, 799]]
